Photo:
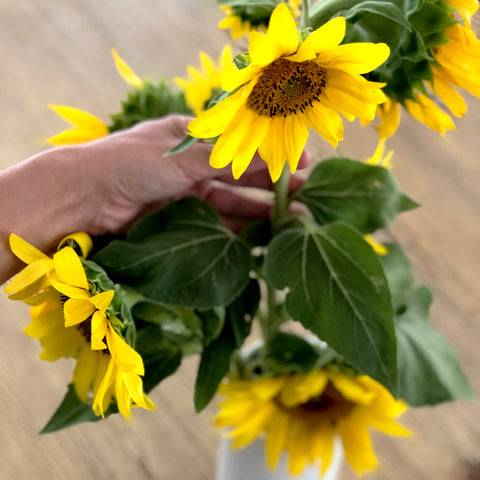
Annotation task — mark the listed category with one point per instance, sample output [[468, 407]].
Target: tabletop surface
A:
[[58, 51]]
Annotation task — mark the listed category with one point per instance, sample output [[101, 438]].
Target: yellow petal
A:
[[28, 276], [301, 388], [296, 135], [69, 268], [348, 105], [326, 37], [69, 290], [77, 311], [256, 134], [234, 79], [273, 149], [88, 127], [425, 111], [378, 248], [276, 440], [213, 122], [98, 331], [351, 389], [358, 447], [282, 29], [24, 251], [126, 72], [124, 355], [103, 300], [326, 122], [84, 373], [83, 240], [101, 393], [449, 95], [262, 49], [358, 57], [389, 115]]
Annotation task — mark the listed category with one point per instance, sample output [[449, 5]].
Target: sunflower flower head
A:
[[242, 19], [204, 83], [301, 414], [425, 76], [74, 317], [289, 86]]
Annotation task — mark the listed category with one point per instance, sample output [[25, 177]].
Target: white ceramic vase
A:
[[250, 463]]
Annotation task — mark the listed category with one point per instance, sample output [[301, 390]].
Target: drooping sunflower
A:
[[71, 321], [287, 88], [35, 276], [241, 20], [455, 64], [205, 82], [301, 414]]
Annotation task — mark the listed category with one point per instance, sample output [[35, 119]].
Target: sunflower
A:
[[35, 276], [456, 64], [72, 321], [302, 413], [242, 20], [204, 83], [287, 88]]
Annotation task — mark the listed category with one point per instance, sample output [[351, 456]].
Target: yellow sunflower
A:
[[35, 276], [203, 83], [240, 21], [287, 88], [302, 413], [71, 321], [456, 65]]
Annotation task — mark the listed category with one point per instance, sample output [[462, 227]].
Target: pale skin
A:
[[104, 186]]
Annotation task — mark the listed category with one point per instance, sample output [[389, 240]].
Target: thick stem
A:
[[327, 9]]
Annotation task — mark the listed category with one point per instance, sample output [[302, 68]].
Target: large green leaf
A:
[[182, 255], [364, 196], [215, 361], [337, 289], [428, 368], [379, 7]]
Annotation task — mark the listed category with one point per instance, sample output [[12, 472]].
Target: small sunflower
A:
[[302, 413], [456, 64], [287, 88], [241, 20], [204, 83]]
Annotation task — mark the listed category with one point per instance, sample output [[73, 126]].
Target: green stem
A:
[[280, 208], [326, 9], [305, 14]]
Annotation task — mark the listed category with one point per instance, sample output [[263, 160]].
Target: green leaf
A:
[[160, 358], [215, 362], [70, 412], [182, 255], [428, 368], [364, 196], [379, 7], [185, 144], [338, 290]]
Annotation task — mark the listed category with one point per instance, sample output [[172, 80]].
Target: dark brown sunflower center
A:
[[286, 88], [330, 406]]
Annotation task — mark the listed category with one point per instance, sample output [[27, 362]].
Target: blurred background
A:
[[58, 51]]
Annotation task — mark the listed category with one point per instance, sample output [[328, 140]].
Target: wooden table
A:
[[58, 51]]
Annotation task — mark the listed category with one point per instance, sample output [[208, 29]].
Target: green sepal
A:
[[337, 289], [182, 255], [428, 369], [71, 412], [184, 145], [242, 60], [150, 102], [216, 356], [364, 196]]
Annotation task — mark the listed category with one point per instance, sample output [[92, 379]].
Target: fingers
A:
[[232, 201]]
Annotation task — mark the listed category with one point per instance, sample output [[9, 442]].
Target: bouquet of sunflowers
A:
[[179, 283]]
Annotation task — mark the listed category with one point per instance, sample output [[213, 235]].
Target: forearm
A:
[[41, 201]]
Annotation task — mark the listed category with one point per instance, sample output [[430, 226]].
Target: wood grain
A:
[[58, 51]]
